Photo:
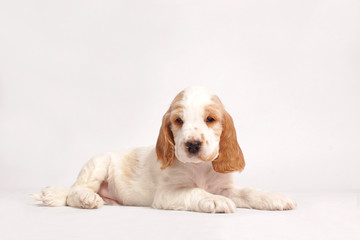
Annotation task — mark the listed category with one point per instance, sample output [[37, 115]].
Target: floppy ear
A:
[[230, 156], [165, 146]]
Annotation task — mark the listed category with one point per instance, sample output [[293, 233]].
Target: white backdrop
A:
[[79, 78]]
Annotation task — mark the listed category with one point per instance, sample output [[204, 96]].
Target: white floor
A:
[[318, 216]]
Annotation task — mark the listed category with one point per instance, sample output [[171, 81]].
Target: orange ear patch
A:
[[165, 145], [230, 157]]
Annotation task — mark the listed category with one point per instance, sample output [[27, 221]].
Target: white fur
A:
[[134, 177]]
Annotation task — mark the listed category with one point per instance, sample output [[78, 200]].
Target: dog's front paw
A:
[[217, 204], [277, 201], [283, 202]]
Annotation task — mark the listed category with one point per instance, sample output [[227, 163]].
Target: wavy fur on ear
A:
[[165, 145], [230, 157]]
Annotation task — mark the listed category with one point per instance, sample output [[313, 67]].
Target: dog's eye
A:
[[210, 119], [179, 120]]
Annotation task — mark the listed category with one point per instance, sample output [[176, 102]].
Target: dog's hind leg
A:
[[83, 194], [52, 196]]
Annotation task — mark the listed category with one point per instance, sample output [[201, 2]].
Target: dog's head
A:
[[196, 129]]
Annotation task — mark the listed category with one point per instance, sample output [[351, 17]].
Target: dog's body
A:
[[189, 169]]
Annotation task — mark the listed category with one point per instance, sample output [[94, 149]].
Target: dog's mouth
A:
[[203, 154], [201, 157], [209, 158]]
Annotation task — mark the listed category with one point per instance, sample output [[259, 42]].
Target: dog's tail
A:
[[52, 196]]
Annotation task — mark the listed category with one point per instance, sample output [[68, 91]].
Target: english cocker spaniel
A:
[[188, 169]]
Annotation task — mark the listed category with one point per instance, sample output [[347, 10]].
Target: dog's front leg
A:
[[257, 199], [192, 199]]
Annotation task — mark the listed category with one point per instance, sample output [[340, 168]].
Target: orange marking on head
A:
[[165, 146]]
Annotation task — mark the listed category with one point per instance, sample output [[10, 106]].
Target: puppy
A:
[[188, 169]]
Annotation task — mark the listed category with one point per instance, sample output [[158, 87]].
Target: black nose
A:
[[193, 147]]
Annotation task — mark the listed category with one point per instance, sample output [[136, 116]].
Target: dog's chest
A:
[[209, 180]]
